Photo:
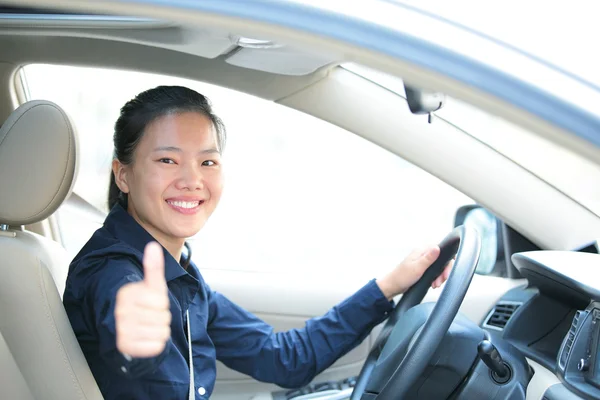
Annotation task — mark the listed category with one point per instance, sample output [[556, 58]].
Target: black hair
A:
[[145, 108]]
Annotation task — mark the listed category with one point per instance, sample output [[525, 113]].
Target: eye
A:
[[166, 161], [209, 163]]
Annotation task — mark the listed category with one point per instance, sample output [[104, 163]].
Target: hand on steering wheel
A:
[[398, 367], [410, 270]]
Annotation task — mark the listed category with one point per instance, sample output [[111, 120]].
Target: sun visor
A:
[[279, 60]]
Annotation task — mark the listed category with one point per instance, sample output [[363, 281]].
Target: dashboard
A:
[[555, 320]]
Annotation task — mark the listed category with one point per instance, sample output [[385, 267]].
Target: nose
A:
[[190, 177]]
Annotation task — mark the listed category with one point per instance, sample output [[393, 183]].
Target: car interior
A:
[[518, 318]]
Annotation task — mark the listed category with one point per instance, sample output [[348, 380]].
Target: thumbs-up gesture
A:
[[142, 314]]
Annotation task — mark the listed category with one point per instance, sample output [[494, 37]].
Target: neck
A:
[[175, 249], [173, 245]]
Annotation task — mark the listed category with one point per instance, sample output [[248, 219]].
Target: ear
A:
[[121, 175]]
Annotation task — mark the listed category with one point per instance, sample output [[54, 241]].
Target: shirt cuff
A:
[[380, 302], [366, 308]]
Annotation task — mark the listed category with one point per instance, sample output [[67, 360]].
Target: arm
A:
[[293, 358]]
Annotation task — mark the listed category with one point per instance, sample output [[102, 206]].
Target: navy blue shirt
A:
[[219, 328]]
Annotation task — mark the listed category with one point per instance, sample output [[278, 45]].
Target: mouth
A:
[[185, 206]]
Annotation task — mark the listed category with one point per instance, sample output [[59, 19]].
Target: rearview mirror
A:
[[423, 101]]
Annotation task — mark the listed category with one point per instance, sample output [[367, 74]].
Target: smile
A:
[[185, 207], [184, 204]]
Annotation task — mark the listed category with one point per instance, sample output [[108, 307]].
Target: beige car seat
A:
[[39, 354]]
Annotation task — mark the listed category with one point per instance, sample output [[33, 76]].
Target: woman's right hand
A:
[[142, 314]]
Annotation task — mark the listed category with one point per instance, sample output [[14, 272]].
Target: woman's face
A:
[[175, 180]]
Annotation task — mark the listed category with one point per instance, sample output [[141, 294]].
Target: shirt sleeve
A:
[[292, 359], [107, 277]]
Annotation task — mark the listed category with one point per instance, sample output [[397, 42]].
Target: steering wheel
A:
[[399, 366]]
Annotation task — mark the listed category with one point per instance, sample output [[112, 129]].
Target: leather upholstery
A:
[[37, 162], [38, 348]]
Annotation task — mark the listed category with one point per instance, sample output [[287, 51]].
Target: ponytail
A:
[[186, 262]]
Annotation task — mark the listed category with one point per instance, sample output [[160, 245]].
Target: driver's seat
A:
[[37, 170]]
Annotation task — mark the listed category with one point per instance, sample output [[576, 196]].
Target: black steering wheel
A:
[[399, 366]]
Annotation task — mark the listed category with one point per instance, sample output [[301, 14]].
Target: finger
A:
[[146, 317], [150, 300], [433, 252], [448, 270], [138, 348], [154, 267], [134, 332], [137, 295], [418, 252], [430, 254], [439, 281]]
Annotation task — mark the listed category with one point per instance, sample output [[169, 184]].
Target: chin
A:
[[186, 232]]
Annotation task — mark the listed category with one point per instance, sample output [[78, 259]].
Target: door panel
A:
[[286, 301]]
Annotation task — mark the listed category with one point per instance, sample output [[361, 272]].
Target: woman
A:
[[134, 297]]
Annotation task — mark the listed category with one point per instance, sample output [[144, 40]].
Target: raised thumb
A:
[[154, 266]]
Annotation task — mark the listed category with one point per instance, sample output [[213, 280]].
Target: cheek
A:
[[216, 186], [152, 183]]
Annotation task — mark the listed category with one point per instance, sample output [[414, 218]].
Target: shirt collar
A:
[[125, 228]]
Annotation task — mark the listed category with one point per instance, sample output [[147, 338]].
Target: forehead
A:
[[191, 128]]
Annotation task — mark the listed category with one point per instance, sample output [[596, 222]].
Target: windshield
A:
[[570, 173]]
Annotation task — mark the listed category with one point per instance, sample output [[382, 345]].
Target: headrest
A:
[[37, 162]]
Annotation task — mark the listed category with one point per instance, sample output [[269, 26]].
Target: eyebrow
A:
[[178, 150]]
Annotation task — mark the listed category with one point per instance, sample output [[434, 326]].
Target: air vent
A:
[[569, 339], [498, 318], [575, 322]]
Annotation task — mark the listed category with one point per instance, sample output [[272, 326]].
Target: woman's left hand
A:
[[408, 272]]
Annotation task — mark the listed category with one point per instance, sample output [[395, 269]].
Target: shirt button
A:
[[124, 370], [201, 391]]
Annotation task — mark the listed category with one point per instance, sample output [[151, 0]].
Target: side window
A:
[[301, 194]]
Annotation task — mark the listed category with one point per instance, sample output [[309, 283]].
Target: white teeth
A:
[[184, 204]]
